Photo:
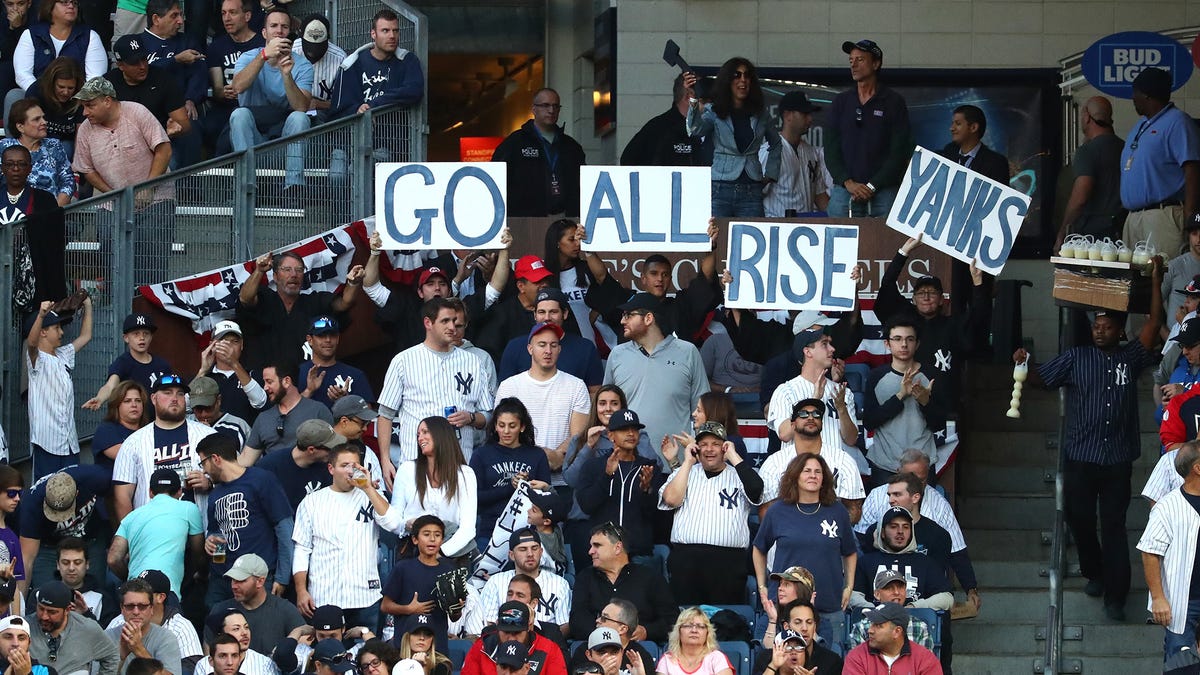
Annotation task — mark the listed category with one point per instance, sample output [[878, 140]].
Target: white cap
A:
[[315, 32], [225, 327], [808, 319]]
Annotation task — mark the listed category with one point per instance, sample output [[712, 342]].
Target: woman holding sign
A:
[[737, 121]]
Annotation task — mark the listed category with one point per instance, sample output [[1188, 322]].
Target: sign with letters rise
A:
[[777, 265], [440, 205], [958, 211], [645, 208]]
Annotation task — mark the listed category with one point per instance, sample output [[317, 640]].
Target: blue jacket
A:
[[75, 47], [728, 162], [365, 79], [191, 77]]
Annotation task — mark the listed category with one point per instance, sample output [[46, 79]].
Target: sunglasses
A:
[[612, 530], [741, 74], [139, 606], [334, 660], [321, 324], [279, 426], [805, 414], [169, 381], [13, 493]]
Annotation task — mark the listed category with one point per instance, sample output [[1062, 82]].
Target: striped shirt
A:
[[52, 401], [933, 506], [183, 630], [1102, 400], [420, 383], [139, 458], [337, 538], [1171, 532], [788, 394], [324, 71], [254, 664], [1163, 478], [849, 483], [714, 510], [553, 608]]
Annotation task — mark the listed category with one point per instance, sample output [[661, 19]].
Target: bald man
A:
[[1095, 194]]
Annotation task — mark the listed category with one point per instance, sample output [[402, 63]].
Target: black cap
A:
[[808, 402], [864, 45], [645, 302], [1192, 288], [138, 321], [165, 481], [1192, 223], [131, 49], [328, 617], [167, 381], [624, 419], [523, 535], [1189, 333], [888, 611], [894, 513], [1155, 83], [550, 503], [513, 615], [803, 339], [55, 594], [323, 325], [1119, 318], [552, 293], [512, 654], [159, 583], [52, 318], [332, 653], [798, 101], [922, 282]]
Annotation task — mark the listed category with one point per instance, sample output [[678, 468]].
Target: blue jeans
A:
[[364, 616], [45, 463], [833, 625], [878, 207], [244, 133], [731, 199], [1176, 641]]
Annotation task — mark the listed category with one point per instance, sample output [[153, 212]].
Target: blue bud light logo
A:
[[1112, 63]]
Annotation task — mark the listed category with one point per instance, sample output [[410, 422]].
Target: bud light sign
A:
[[1112, 63]]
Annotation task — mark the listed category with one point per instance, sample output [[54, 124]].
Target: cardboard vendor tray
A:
[[1089, 284]]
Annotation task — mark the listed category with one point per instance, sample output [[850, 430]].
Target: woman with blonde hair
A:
[[692, 648], [417, 649]]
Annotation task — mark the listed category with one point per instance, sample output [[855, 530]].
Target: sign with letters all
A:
[[1112, 63], [440, 205], [777, 265], [958, 211], [645, 208]]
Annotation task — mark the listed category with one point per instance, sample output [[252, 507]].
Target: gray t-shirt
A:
[[159, 641], [1100, 158], [269, 623], [264, 434]]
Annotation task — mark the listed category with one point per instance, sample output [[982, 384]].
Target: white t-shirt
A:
[[550, 403]]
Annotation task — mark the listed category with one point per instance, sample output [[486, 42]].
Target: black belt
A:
[[1161, 205]]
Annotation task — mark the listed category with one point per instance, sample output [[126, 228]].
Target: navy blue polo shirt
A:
[[864, 134]]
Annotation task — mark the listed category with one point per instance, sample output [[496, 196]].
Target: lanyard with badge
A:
[[552, 161]]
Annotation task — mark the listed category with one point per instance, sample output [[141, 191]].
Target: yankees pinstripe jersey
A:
[[421, 383], [1171, 533], [337, 537], [1164, 478], [139, 458], [788, 394], [254, 664], [848, 483], [554, 607], [933, 506], [52, 401], [1102, 416], [714, 510]]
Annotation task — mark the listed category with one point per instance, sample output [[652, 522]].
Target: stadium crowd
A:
[[551, 478]]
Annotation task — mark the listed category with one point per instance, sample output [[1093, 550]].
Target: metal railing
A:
[[225, 210]]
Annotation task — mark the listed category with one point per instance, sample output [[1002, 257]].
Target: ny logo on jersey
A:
[[942, 360], [549, 605], [463, 383], [729, 498], [311, 487], [829, 529], [1122, 374], [364, 514]]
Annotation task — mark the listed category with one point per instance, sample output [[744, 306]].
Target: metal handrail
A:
[[1052, 658]]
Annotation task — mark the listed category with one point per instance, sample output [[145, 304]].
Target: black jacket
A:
[[619, 499], [987, 162], [530, 192], [663, 141], [638, 584]]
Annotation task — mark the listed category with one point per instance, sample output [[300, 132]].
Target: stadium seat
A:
[[739, 656], [651, 648], [856, 376], [932, 617], [746, 611], [458, 652]]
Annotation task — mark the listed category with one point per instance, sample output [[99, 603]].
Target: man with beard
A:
[[379, 73], [275, 322], [1102, 441], [138, 636], [808, 424], [325, 378], [222, 622], [168, 442], [277, 426], [66, 639]]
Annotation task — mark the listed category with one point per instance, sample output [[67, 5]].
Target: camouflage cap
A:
[[95, 88]]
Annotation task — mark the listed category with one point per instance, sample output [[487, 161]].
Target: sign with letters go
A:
[[645, 208], [440, 205], [780, 265], [958, 211]]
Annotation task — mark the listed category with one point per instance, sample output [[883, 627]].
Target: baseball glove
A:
[[450, 591]]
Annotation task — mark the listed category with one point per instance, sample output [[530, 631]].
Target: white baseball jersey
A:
[[254, 664], [1164, 478], [849, 483], [802, 176], [422, 383], [933, 506], [550, 403], [554, 607], [52, 401], [788, 394], [471, 622], [1171, 533], [714, 510], [137, 461], [183, 630], [337, 538], [324, 70]]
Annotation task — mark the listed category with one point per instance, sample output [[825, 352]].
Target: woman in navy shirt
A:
[[510, 453], [127, 412]]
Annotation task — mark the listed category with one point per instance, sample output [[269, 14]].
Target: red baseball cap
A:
[[552, 327], [430, 271], [531, 268]]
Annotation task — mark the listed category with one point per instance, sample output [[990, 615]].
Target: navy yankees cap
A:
[[138, 321], [512, 654], [624, 419], [328, 617], [868, 46], [1189, 333]]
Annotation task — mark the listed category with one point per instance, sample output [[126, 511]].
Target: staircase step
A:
[[979, 636], [1121, 665], [1129, 639], [978, 478], [1005, 545], [1013, 662], [1028, 511]]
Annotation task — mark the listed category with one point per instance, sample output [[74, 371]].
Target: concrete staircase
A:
[[1005, 505]]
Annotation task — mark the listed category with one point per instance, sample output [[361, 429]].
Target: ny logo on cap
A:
[[133, 44], [512, 650], [435, 270], [424, 618], [141, 320], [628, 417]]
